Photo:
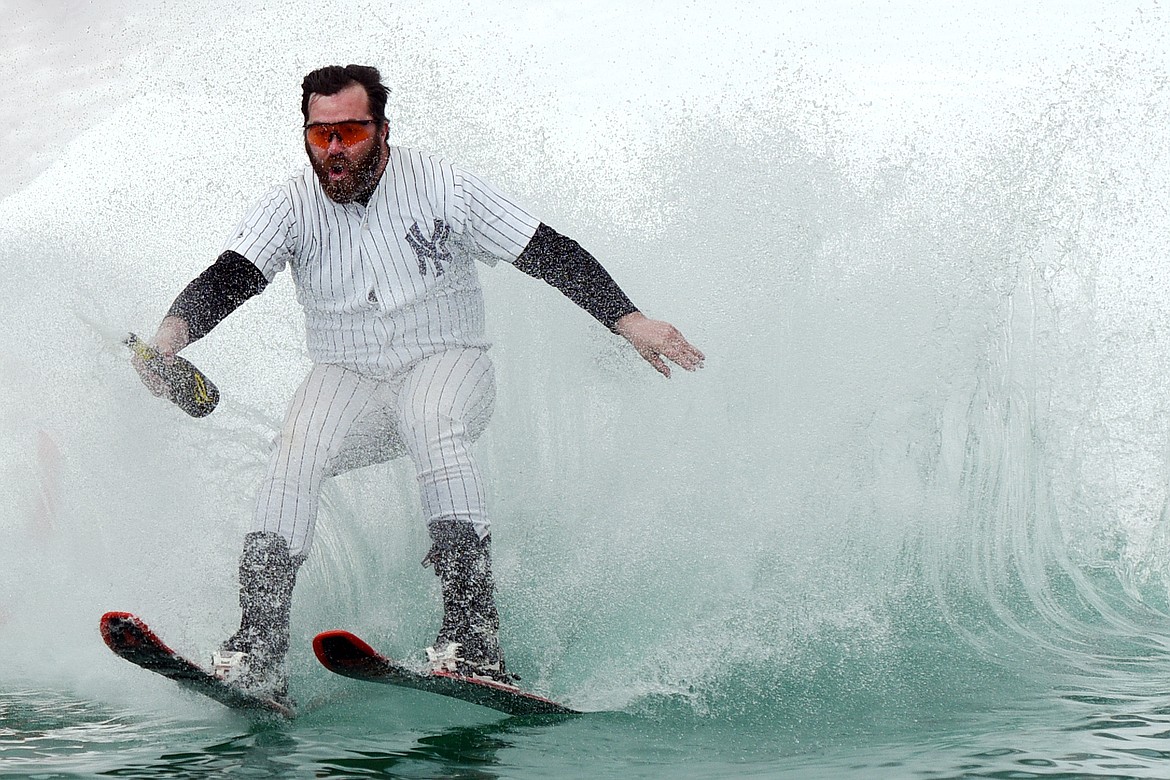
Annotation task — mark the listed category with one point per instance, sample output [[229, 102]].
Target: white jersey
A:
[[387, 284]]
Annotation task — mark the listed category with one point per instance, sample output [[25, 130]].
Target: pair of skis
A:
[[339, 651]]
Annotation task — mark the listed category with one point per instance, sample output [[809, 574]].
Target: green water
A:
[[923, 703], [992, 726]]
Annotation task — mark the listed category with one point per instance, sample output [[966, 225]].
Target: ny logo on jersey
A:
[[434, 250]]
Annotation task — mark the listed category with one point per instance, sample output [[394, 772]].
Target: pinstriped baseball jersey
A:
[[388, 283]]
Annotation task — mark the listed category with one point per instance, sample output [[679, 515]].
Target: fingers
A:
[[684, 353], [659, 364], [153, 382], [150, 360], [655, 340], [675, 347]]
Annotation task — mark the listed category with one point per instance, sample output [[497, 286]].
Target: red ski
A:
[[129, 637], [346, 654]]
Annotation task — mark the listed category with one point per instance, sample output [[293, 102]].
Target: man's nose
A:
[[335, 145]]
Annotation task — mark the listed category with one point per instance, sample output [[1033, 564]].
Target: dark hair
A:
[[333, 78]]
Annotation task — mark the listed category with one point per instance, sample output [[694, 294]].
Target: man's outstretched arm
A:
[[203, 304], [563, 263]]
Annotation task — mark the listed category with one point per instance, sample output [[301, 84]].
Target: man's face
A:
[[346, 172]]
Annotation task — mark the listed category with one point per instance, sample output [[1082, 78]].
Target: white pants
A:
[[341, 420]]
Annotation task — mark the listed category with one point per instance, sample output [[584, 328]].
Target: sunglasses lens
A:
[[353, 133], [318, 135], [348, 133]]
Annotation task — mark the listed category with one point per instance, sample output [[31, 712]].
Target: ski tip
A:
[[125, 631], [114, 623], [112, 616], [334, 647]]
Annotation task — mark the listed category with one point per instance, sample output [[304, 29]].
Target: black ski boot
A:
[[254, 657], [469, 639]]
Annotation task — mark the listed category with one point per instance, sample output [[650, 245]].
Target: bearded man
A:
[[381, 241]]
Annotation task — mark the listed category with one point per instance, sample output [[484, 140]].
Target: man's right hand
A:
[[172, 336]]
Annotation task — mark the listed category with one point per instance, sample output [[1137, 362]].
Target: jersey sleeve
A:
[[563, 263], [266, 234], [496, 224], [216, 293]]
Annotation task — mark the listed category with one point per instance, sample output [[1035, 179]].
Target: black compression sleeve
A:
[[217, 292], [560, 261]]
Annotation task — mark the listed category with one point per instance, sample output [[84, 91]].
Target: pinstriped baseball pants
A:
[[341, 420]]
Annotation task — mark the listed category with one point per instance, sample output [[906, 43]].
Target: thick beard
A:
[[361, 181]]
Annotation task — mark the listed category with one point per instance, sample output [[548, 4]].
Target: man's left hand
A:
[[655, 340]]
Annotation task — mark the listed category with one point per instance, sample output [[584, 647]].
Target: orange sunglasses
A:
[[348, 133]]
